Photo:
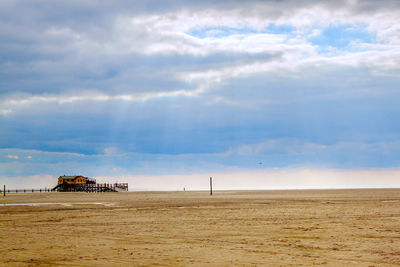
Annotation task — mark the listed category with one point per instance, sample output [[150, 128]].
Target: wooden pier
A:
[[116, 187], [79, 183], [92, 187]]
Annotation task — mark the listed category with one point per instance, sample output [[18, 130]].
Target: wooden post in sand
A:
[[210, 186], [4, 190]]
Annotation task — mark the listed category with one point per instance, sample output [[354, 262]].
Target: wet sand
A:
[[275, 228]]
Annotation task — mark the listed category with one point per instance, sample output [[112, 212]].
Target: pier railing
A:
[[106, 187], [25, 190]]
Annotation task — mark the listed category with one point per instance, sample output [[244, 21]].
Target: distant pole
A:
[[210, 186], [4, 191]]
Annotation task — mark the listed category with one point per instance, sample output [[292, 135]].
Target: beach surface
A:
[[249, 228]]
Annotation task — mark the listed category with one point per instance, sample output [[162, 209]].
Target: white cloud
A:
[[24, 100], [38, 152], [13, 157], [26, 182], [5, 112], [168, 33], [110, 150], [278, 178], [93, 48]]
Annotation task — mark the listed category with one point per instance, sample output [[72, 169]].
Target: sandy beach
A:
[[250, 228]]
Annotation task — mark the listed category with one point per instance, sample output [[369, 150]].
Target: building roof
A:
[[71, 177]]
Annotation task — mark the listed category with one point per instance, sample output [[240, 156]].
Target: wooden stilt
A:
[[211, 186]]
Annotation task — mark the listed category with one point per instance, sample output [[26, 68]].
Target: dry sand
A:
[[269, 228]]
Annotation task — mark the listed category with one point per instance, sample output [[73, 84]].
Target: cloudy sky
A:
[[154, 90]]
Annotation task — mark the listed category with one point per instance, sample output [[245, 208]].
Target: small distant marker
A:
[[4, 190]]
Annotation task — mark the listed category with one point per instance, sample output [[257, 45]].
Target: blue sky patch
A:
[[220, 32], [340, 37], [280, 29]]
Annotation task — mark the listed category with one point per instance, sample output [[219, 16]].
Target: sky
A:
[[164, 94]]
